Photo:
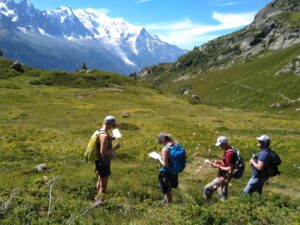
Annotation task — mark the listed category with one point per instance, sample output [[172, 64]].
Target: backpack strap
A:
[[233, 150], [100, 131], [169, 147], [269, 151]]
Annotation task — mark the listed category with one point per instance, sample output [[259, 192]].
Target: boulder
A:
[[125, 114], [157, 81], [42, 167], [195, 99], [18, 67]]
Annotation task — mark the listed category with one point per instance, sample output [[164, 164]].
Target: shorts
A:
[[167, 181], [103, 168]]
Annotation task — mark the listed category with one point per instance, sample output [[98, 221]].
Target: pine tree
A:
[[84, 66], [1, 53], [133, 75]]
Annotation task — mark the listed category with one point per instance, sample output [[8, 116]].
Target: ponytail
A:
[[170, 138]]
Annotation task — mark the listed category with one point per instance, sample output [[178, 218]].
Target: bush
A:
[[128, 126], [35, 82]]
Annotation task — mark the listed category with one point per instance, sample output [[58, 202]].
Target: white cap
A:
[[221, 139], [111, 120], [264, 138]]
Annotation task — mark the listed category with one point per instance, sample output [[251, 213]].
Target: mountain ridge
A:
[[123, 47], [260, 62], [275, 27]]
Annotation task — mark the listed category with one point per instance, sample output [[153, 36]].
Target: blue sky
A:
[[186, 23]]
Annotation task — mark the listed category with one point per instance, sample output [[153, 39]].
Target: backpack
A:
[[178, 159], [272, 164], [239, 169], [92, 149]]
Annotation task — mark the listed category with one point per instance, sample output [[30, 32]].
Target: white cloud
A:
[[103, 10], [142, 1], [226, 2], [186, 33]]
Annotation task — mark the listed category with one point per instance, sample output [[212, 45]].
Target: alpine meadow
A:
[[240, 85]]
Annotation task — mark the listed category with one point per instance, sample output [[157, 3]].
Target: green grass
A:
[[250, 85], [53, 123]]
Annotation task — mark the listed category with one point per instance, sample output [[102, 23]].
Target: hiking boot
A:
[[222, 199], [165, 201], [99, 196], [98, 203]]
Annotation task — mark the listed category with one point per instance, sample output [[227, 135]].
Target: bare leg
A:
[[103, 181], [101, 187]]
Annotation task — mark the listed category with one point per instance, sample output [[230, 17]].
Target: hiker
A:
[[261, 165], [173, 162], [104, 155], [226, 167]]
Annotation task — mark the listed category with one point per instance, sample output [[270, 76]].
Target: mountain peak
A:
[[109, 43], [26, 2], [274, 9], [275, 27], [65, 9]]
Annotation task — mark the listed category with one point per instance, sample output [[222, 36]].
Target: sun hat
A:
[[110, 120], [161, 137], [221, 139], [264, 138]]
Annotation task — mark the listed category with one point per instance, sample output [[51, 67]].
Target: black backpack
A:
[[239, 166], [272, 164]]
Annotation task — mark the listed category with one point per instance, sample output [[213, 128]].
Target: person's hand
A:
[[214, 164], [251, 161], [118, 145]]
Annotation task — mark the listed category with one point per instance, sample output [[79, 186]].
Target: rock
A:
[[181, 78], [292, 66], [125, 114], [297, 110], [195, 99], [182, 90], [157, 81], [186, 92], [42, 167], [17, 66]]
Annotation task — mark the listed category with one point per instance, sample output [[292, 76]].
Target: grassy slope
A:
[[52, 124], [248, 85]]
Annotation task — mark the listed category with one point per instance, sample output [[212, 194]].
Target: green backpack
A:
[[92, 149]]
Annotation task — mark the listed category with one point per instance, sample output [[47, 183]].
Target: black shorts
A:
[[103, 168], [167, 181]]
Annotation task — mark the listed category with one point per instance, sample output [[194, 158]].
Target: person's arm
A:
[[165, 157], [223, 167], [259, 165], [104, 151], [217, 161]]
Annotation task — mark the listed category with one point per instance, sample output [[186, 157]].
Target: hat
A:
[[264, 138], [110, 120], [221, 139], [161, 137]]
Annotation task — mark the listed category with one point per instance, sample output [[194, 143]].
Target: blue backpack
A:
[[177, 157]]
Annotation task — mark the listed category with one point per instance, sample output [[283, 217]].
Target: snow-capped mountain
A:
[[64, 38]]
